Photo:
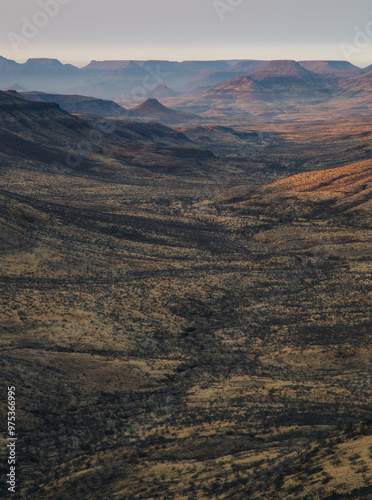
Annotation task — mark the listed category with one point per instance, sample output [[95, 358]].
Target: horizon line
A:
[[182, 61]]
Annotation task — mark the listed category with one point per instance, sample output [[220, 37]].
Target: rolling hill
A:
[[345, 191], [341, 189]]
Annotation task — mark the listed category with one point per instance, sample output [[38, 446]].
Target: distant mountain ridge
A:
[[275, 80], [111, 79]]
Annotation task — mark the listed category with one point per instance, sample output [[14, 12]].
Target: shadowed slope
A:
[[50, 138], [79, 104]]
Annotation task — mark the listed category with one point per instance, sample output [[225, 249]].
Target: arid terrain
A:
[[186, 311]]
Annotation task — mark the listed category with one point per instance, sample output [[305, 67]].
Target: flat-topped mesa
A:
[[110, 65], [285, 69], [44, 60], [217, 65], [47, 66]]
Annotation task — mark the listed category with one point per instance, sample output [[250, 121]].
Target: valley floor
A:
[[167, 340]]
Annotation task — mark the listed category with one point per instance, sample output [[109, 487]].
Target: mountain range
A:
[[196, 90], [115, 79], [286, 89]]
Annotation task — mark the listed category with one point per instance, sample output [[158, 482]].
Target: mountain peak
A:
[[151, 105], [153, 109]]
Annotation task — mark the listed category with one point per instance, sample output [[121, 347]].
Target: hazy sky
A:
[[77, 31]]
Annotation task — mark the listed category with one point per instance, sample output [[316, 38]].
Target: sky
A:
[[78, 31]]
